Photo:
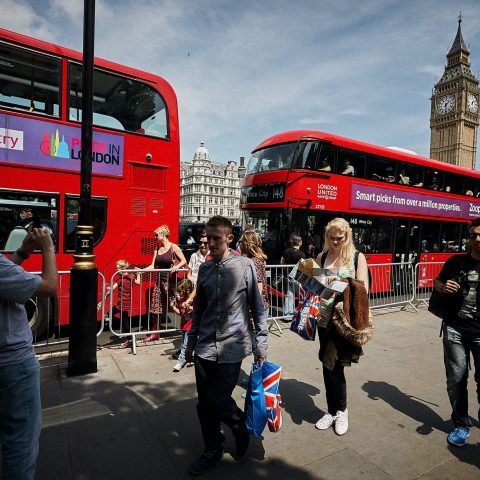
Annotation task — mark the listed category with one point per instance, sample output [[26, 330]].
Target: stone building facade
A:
[[208, 188], [454, 114]]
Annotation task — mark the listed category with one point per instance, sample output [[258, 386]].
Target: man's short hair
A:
[[203, 234], [222, 222], [473, 224], [296, 241]]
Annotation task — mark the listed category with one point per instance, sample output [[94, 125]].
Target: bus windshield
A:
[[273, 158]]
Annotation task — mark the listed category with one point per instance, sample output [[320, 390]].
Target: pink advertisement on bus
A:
[[397, 201], [36, 143]]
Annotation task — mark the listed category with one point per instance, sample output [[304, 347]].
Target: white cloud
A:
[[19, 16], [245, 70]]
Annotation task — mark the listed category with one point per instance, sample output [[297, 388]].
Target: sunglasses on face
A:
[[473, 235], [203, 244]]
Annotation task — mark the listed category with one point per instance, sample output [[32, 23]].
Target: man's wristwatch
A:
[[22, 254]]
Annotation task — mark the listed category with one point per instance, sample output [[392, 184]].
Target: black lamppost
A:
[[82, 353]]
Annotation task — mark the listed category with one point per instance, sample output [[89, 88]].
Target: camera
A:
[[36, 222]]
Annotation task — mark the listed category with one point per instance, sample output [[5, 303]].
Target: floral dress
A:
[[160, 294], [262, 278]]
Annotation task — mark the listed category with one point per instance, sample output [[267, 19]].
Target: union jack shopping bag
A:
[[262, 403], [304, 320], [271, 380], [255, 408]]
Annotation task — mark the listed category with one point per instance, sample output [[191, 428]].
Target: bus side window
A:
[[382, 169], [307, 156], [99, 220], [326, 158], [30, 81], [450, 234], [351, 163], [471, 188], [120, 103], [434, 180], [17, 211], [430, 238]]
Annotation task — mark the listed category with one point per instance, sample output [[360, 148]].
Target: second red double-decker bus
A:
[[401, 207], [136, 173]]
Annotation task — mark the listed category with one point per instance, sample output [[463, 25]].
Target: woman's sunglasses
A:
[[473, 235]]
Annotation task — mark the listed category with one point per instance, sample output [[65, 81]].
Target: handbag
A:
[[436, 304], [271, 379], [304, 320], [255, 406]]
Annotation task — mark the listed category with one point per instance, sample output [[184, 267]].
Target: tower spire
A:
[[458, 43]]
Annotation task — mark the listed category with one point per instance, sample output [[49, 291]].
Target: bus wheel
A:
[[40, 314]]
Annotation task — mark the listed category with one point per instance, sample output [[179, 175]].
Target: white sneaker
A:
[[341, 422], [178, 366], [325, 422]]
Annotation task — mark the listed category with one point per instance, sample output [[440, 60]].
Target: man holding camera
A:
[[20, 409]]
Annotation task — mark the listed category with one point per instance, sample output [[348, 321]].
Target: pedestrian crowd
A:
[[222, 302]]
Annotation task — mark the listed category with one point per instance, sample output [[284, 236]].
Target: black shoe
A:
[[242, 439], [204, 463]]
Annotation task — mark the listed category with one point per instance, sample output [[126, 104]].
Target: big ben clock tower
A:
[[454, 113]]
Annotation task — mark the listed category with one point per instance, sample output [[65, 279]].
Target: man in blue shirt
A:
[[20, 409], [227, 291]]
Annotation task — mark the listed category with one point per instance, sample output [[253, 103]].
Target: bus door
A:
[[407, 241], [406, 252]]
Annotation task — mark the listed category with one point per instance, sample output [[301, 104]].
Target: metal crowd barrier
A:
[[393, 284], [48, 316], [143, 315], [425, 272]]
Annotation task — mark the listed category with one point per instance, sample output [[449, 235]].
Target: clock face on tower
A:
[[445, 104], [472, 103]]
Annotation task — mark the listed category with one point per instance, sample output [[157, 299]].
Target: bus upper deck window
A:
[[29, 81], [120, 103]]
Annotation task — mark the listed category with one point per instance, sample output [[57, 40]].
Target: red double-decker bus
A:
[[136, 173], [401, 207]]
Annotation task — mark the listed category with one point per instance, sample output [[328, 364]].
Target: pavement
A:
[[136, 419]]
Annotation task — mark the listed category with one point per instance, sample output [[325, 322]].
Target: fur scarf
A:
[[352, 317]]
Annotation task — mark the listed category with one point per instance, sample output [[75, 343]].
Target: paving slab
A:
[[136, 419]]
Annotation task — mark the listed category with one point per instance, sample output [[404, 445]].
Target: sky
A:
[[244, 70]]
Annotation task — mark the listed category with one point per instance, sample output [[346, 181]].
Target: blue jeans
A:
[[181, 356], [289, 303], [456, 349], [20, 419]]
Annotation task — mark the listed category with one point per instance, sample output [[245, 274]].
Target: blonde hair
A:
[[163, 231], [348, 249], [122, 263], [185, 287], [252, 244]]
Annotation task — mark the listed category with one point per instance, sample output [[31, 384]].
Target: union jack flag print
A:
[[304, 320], [271, 380]]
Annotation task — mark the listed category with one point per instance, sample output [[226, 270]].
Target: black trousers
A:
[[215, 384], [335, 388], [124, 318]]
